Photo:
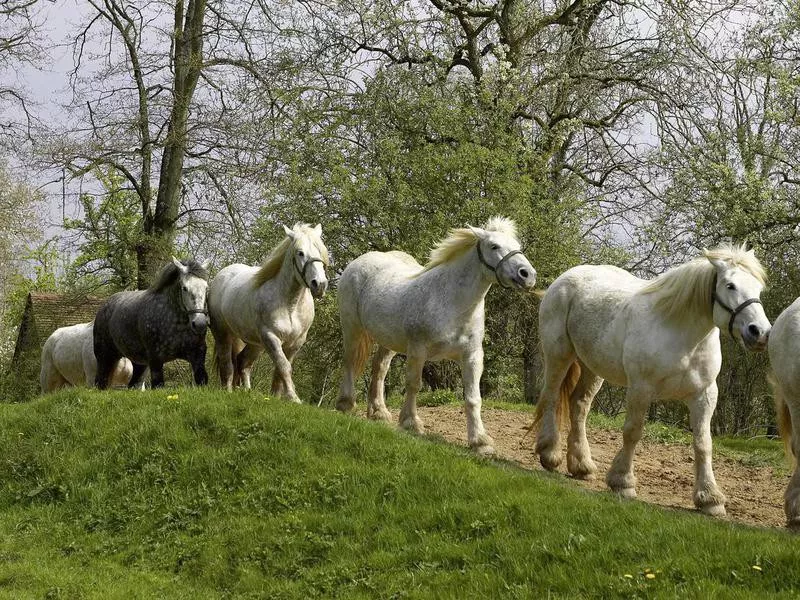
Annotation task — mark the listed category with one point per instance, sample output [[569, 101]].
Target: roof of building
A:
[[45, 312]]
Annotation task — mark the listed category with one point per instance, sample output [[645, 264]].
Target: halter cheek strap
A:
[[302, 272], [494, 268], [734, 311]]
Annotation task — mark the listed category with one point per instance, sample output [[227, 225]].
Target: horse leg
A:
[[50, 379], [356, 349], [237, 346], [791, 498], [283, 367], [198, 361], [620, 477], [106, 362], [136, 377], [408, 414], [579, 455], [156, 374], [471, 370], [376, 403], [244, 363], [707, 496], [223, 357], [548, 435]]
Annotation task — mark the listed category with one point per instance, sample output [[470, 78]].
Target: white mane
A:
[[686, 289]]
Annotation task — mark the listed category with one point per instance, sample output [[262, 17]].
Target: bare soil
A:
[[664, 472]]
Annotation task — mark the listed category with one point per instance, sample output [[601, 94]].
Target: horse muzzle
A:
[[318, 287], [755, 338], [525, 279], [198, 322]]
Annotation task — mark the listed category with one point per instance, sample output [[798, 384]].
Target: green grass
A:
[[131, 495]]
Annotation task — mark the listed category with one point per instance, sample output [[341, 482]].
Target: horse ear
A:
[[181, 267], [318, 229], [479, 233], [719, 263], [288, 232]]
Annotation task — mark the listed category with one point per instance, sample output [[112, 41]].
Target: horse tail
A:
[[361, 353], [568, 385], [783, 415]]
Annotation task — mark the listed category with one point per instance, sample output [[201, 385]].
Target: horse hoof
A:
[[713, 510], [484, 450], [550, 460], [413, 425], [381, 415], [345, 406], [626, 493], [584, 469]]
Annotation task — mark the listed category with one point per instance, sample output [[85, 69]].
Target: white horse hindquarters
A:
[[784, 348]]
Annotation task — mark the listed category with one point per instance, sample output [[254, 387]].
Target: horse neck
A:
[[286, 280], [463, 282], [696, 325]]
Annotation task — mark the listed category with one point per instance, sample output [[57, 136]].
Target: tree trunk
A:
[[159, 230]]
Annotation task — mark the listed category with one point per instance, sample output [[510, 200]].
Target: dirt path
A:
[[664, 471]]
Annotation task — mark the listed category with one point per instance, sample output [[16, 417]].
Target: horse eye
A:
[[731, 286], [300, 253], [495, 247]]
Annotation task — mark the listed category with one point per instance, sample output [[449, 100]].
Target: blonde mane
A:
[[686, 290], [272, 264], [458, 241]]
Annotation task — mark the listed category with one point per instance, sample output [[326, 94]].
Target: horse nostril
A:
[[753, 330], [314, 284], [524, 273]]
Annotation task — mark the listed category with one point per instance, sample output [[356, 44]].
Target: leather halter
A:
[[734, 311], [302, 272], [494, 268]]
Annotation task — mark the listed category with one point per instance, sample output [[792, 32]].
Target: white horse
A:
[[427, 313], [659, 339], [784, 349], [253, 308], [68, 359]]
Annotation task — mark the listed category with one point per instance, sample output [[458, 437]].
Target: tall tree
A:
[[137, 99]]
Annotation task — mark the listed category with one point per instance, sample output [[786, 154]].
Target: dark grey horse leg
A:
[[136, 377], [156, 374], [198, 362], [106, 361]]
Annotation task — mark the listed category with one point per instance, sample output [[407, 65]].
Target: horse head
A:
[[192, 283], [736, 298], [309, 257], [499, 251]]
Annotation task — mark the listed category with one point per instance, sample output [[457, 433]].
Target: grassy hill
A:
[[214, 495]]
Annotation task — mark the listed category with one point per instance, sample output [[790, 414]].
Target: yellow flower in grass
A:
[[757, 568], [650, 575], [172, 397]]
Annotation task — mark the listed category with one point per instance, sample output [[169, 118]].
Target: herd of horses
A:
[[658, 338]]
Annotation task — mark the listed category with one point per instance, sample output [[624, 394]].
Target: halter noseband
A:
[[494, 268], [302, 272], [734, 311]]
